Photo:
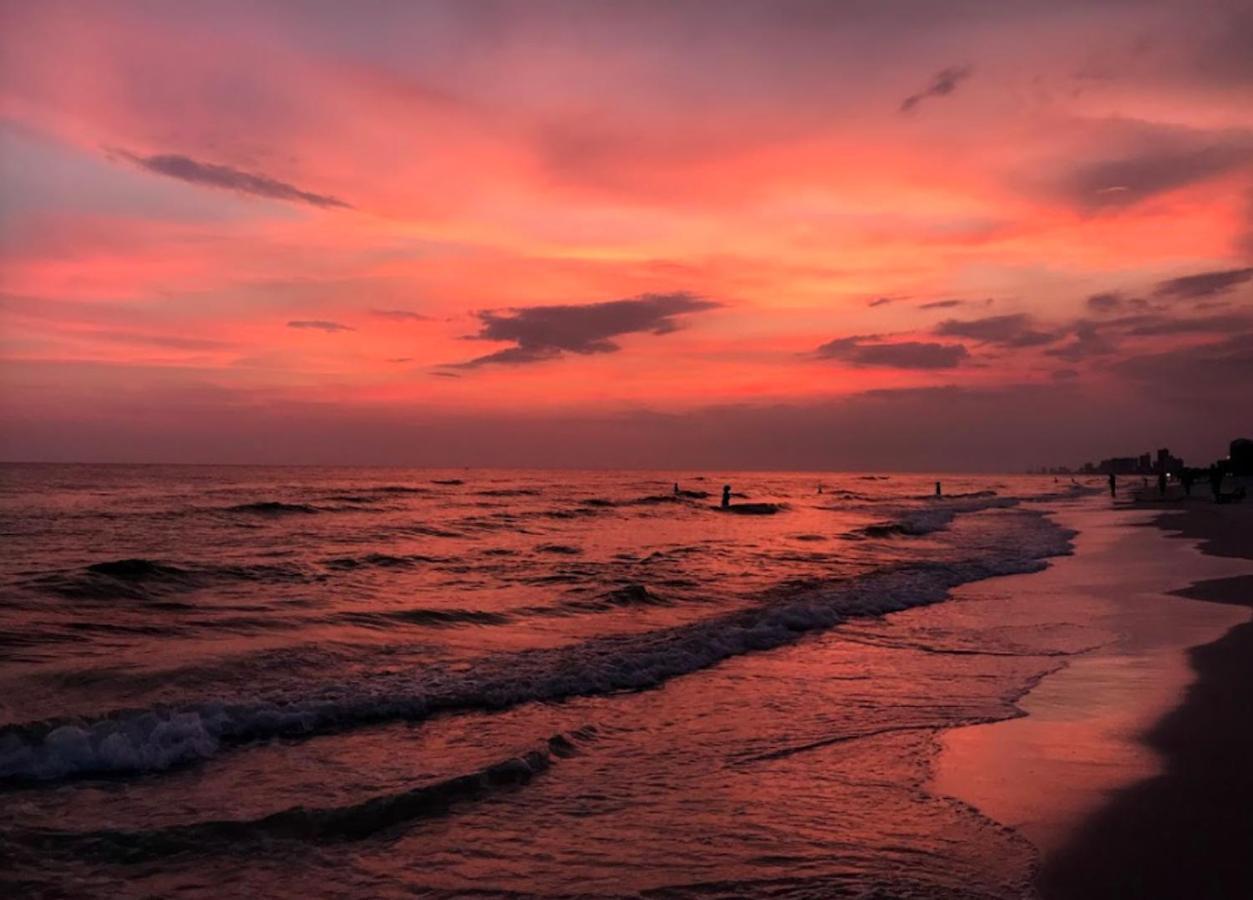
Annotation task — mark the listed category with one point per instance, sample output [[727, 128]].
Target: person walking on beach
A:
[[726, 496], [1186, 477], [938, 492], [1113, 485], [1161, 483], [1216, 482]]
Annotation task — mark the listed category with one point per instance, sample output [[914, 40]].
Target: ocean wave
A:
[[157, 739], [145, 579], [423, 616], [937, 517], [273, 508], [752, 509], [349, 822], [626, 596], [378, 560]]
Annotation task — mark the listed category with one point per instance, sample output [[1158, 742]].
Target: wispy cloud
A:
[[1016, 330], [942, 84], [1105, 303], [194, 171], [546, 332], [320, 325], [1203, 284], [867, 350], [941, 304], [1153, 170], [400, 315]]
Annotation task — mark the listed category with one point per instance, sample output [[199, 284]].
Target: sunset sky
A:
[[914, 234]]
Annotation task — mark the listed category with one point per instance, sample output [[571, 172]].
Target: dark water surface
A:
[[236, 681]]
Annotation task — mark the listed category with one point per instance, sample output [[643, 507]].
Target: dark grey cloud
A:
[[547, 332], [400, 315], [1203, 284], [193, 171], [864, 350], [1017, 330], [882, 301], [320, 325], [1125, 180], [1086, 342], [1105, 303], [942, 84], [1153, 325], [942, 304]]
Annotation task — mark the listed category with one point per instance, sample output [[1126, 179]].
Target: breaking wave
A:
[[129, 742]]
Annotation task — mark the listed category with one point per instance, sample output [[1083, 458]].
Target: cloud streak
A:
[[193, 171], [1203, 284], [400, 315], [1015, 330], [865, 350], [542, 333], [942, 84], [320, 325]]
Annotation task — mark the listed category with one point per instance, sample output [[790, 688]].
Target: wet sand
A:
[[1188, 832], [1106, 773]]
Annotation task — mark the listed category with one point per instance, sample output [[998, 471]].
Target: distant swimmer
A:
[[726, 496], [1113, 485], [938, 492]]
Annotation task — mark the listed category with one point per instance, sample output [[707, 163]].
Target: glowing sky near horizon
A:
[[432, 232]]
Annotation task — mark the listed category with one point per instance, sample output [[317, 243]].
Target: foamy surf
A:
[[154, 740]]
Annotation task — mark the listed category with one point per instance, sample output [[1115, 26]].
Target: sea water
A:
[[220, 681]]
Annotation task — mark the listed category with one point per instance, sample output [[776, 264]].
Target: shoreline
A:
[[1078, 737], [1187, 831]]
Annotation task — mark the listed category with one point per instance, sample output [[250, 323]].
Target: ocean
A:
[[228, 681]]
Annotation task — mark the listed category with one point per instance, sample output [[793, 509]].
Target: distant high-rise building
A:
[[1241, 456], [1166, 462]]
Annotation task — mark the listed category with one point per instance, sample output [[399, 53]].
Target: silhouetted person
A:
[[726, 496], [1216, 482], [820, 489], [676, 489], [1186, 477], [1161, 483], [1113, 485], [938, 492]]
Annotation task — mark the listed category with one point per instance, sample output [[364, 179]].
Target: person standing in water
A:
[[1113, 490], [938, 492], [726, 496]]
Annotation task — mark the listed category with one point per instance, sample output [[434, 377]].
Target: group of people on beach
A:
[[1187, 478]]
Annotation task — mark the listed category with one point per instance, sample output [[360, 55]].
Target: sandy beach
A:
[[1129, 771]]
